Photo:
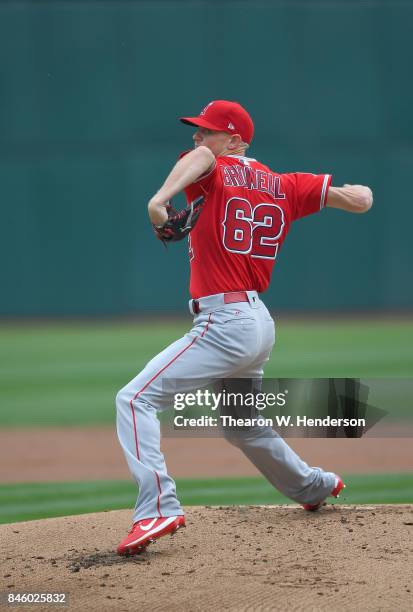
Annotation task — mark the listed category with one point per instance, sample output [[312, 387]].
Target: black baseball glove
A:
[[179, 223]]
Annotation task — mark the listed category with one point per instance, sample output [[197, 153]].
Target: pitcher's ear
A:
[[235, 141]]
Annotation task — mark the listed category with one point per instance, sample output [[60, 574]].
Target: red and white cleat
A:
[[148, 530], [338, 487]]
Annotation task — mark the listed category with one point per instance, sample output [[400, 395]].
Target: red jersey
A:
[[247, 213]]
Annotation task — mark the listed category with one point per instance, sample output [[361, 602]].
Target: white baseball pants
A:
[[226, 340]]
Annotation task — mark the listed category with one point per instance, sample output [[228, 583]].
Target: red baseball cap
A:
[[224, 116]]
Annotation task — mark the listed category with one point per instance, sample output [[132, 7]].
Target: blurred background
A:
[[90, 96], [91, 92]]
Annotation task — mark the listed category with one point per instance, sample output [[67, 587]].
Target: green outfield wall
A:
[[90, 95]]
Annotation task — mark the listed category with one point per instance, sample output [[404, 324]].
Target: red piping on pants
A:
[[143, 389]]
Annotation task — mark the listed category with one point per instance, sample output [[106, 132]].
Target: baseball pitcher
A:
[[238, 215]]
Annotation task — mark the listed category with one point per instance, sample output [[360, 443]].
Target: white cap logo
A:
[[231, 126], [203, 111]]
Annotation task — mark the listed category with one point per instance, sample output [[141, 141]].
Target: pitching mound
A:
[[230, 558]]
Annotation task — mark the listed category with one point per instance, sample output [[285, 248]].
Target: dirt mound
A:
[[228, 558]]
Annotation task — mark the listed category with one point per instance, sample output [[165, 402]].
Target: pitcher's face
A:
[[217, 142]]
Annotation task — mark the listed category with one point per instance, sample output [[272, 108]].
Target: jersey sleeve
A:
[[202, 185], [310, 193]]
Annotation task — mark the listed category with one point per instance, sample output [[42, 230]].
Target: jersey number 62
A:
[[252, 229]]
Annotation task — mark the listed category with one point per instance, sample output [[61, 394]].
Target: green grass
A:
[[20, 502], [68, 374]]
